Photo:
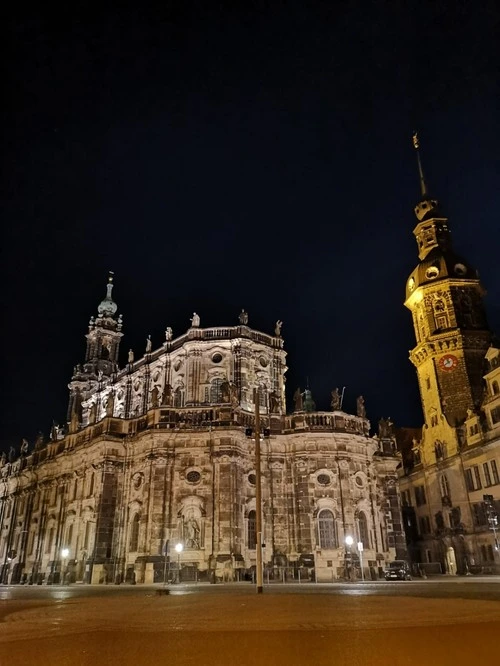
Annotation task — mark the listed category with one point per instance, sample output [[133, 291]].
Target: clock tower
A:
[[445, 297]]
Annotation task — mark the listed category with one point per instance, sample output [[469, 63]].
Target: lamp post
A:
[[349, 541], [179, 548], [360, 551], [64, 555], [258, 495]]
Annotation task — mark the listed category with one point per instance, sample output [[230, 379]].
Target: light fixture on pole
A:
[[258, 495], [64, 555], [179, 548], [349, 541], [360, 551]]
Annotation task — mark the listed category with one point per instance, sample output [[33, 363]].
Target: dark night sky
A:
[[216, 159]]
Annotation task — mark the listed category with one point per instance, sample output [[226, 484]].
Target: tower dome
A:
[[107, 307]]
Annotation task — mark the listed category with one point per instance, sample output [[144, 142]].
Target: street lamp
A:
[[179, 548], [64, 555], [349, 541]]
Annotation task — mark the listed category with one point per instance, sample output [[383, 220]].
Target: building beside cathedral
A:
[[162, 452], [450, 484]]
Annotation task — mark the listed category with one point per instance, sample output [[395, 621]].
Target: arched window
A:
[[440, 315], [178, 397], [262, 396], [445, 488], [69, 536], [252, 530], [326, 524], [494, 388], [91, 485], [215, 391], [364, 534], [134, 534]]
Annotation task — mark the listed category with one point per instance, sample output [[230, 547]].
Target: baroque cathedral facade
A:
[[449, 481], [161, 453]]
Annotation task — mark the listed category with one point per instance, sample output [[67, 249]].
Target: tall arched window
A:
[[215, 391], [69, 536], [134, 534], [178, 397], [445, 488], [326, 524], [440, 314], [364, 534], [252, 530]]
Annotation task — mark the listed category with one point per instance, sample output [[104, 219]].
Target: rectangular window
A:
[[495, 415], [477, 476], [487, 477], [420, 498], [494, 471], [469, 481], [480, 517]]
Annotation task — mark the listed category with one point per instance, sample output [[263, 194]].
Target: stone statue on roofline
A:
[[360, 407], [168, 334], [243, 318], [277, 328], [297, 400], [335, 403], [195, 320]]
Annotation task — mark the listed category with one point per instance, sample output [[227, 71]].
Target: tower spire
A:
[[423, 184]]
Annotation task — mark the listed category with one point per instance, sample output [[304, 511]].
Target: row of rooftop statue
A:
[[303, 402], [195, 323]]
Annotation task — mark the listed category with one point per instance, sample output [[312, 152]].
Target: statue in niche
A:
[[243, 317], [297, 399], [149, 345], [277, 328], [385, 428], [168, 334], [167, 396], [274, 402], [360, 407], [191, 532], [130, 356], [335, 402], [154, 397], [24, 447], [225, 392], [110, 404], [93, 413], [12, 454], [195, 320], [233, 394]]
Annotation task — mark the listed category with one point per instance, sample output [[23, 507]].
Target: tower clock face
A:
[[448, 362]]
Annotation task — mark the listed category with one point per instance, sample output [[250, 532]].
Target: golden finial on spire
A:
[[415, 140]]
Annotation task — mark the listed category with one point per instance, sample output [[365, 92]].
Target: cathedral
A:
[[153, 478], [449, 481]]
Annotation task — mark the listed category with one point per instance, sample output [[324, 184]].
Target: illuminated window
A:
[[487, 476], [252, 530], [326, 524], [494, 471]]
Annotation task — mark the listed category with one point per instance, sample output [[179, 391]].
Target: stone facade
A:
[[451, 471], [162, 452]]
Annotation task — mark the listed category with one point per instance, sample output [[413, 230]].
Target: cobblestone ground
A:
[[245, 628]]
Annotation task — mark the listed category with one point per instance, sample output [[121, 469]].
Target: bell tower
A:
[[445, 297], [101, 357]]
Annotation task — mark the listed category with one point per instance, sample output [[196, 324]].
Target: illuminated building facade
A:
[[450, 485], [162, 452]]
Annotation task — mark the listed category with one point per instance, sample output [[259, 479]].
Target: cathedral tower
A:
[[445, 297], [101, 357]]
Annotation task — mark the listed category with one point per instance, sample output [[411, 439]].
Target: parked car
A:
[[398, 570]]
